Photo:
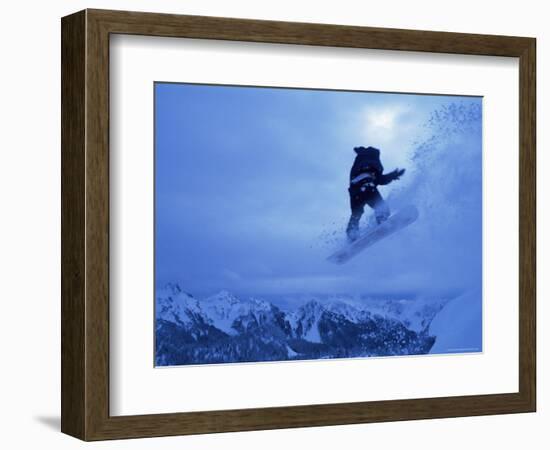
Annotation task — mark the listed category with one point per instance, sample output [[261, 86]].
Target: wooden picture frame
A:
[[85, 224]]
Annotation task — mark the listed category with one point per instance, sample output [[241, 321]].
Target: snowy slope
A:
[[304, 322], [174, 305], [415, 314], [224, 309], [458, 326]]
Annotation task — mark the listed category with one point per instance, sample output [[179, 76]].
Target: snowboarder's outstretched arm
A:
[[387, 178]]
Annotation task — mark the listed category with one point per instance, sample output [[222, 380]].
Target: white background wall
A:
[[30, 221]]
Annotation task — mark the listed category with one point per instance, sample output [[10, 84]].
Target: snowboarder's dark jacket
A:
[[367, 168]]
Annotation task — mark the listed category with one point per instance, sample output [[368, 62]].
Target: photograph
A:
[[294, 223]]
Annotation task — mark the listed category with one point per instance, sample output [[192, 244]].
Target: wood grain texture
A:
[[72, 224], [152, 24], [527, 223], [85, 224]]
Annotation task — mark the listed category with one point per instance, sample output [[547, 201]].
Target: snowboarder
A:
[[365, 176]]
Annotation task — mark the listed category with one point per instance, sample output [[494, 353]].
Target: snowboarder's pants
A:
[[358, 200]]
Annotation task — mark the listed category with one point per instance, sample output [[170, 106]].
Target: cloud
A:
[[230, 275], [320, 283], [382, 120], [392, 128]]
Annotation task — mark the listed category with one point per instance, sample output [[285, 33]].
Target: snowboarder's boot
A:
[[381, 212], [353, 229]]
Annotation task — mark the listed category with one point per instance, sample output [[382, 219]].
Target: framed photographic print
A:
[[271, 224]]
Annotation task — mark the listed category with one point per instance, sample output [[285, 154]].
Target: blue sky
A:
[[251, 190]]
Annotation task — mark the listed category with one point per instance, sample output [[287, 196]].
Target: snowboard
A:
[[401, 219]]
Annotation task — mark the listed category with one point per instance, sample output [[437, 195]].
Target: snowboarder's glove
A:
[[397, 173]]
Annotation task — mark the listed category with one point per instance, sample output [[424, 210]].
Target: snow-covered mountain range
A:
[[223, 328]]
